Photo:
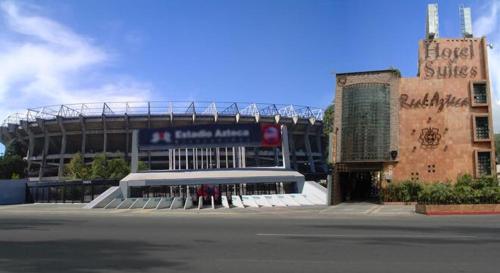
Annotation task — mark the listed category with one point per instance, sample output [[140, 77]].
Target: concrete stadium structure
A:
[[51, 135]]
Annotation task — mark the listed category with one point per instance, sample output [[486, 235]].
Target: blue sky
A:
[[286, 51]]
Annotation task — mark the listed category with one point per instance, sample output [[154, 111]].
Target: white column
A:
[[284, 147], [187, 159], [173, 159], [217, 161], [227, 159], [234, 158]]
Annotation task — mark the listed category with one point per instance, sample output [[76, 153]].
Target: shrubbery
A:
[[99, 168], [406, 191], [467, 190]]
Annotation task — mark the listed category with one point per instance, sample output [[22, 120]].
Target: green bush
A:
[[467, 190], [406, 191]]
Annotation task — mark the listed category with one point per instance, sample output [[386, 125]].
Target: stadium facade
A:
[[51, 135]]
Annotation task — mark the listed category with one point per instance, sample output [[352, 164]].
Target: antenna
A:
[[432, 27], [465, 21]]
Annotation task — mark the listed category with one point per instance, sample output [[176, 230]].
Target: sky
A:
[[276, 51]]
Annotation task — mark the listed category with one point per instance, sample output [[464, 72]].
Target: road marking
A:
[[389, 236], [371, 209]]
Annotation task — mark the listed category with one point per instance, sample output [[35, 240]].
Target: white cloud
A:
[[488, 24], [43, 62]]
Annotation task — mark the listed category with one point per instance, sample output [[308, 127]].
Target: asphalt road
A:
[[58, 242]]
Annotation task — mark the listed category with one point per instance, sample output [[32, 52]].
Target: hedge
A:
[[466, 190]]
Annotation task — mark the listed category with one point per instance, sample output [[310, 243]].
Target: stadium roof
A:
[[155, 108]]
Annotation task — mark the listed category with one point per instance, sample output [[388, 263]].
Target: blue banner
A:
[[210, 135]]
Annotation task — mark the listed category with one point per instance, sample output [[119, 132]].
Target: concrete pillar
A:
[[45, 150], [319, 146], [227, 158], [310, 158], [127, 136], [243, 157], [234, 158], [256, 152], [276, 157], [60, 170], [105, 135], [84, 135], [217, 154], [291, 140], [285, 147], [135, 152], [187, 159]]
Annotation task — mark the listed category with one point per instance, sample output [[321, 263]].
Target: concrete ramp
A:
[[249, 201], [152, 203], [313, 199], [104, 198], [164, 203], [139, 203], [276, 201], [237, 202], [177, 203], [114, 203], [126, 203], [189, 202], [261, 201], [225, 203], [313, 189], [301, 199], [288, 200]]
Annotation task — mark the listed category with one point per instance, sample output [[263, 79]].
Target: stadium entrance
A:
[[203, 181]]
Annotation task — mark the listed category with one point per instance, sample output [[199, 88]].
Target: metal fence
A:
[[66, 192]]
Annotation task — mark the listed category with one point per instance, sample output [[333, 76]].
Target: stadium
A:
[[50, 135]]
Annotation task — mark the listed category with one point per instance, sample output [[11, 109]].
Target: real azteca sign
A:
[[432, 101], [212, 135]]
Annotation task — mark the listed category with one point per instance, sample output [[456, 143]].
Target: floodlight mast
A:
[[465, 21], [432, 26]]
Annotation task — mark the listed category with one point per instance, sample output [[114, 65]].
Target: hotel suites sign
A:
[[435, 56], [211, 135], [444, 62]]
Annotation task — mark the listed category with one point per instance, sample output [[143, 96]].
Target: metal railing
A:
[[150, 108]]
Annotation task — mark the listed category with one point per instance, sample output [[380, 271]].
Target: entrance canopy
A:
[[214, 176]]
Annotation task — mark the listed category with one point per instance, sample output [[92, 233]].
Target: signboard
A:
[[210, 135]]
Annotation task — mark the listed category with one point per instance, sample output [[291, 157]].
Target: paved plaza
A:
[[346, 238]]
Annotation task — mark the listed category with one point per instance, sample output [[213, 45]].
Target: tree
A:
[[117, 168], [12, 166], [142, 166], [99, 168], [328, 118], [76, 168]]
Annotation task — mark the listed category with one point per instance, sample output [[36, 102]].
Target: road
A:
[[39, 241]]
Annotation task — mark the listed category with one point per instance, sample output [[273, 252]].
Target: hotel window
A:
[[479, 93], [482, 128], [483, 163]]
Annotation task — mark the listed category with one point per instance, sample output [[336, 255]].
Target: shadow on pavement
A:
[[83, 256], [29, 224]]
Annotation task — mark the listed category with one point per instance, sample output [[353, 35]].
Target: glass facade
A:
[[366, 122]]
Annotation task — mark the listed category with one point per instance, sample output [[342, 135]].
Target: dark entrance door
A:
[[358, 186]]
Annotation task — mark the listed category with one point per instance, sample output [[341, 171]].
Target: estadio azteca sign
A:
[[211, 135]]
